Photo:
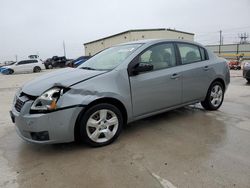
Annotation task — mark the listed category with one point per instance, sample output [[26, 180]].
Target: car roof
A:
[[155, 41]]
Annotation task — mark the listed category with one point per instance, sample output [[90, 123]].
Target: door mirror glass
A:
[[142, 67]]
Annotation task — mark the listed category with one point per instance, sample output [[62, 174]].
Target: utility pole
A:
[[220, 37], [16, 57], [220, 41], [64, 50]]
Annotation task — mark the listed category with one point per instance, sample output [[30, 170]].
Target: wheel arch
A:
[[8, 71], [215, 80], [219, 80], [36, 66], [117, 103]]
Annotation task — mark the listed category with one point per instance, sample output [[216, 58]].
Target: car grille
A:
[[19, 104]]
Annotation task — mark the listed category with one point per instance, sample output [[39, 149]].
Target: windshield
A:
[[110, 58]]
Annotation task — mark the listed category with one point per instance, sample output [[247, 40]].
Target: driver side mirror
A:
[[142, 67]]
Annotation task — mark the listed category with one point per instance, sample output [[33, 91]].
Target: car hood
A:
[[6, 67], [65, 78]]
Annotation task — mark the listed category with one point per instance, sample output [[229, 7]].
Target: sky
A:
[[40, 26]]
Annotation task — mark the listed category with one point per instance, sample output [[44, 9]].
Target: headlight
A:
[[48, 100], [19, 90]]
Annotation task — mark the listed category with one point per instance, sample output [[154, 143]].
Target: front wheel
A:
[[101, 125], [215, 97], [10, 71]]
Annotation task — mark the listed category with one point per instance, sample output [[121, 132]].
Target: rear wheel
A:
[[215, 96], [101, 125], [37, 69]]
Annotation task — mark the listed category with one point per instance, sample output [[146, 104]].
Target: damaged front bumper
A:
[[44, 128]]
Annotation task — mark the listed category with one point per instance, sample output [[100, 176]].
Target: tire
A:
[[10, 71], [37, 69], [248, 80], [214, 97], [97, 131], [50, 67]]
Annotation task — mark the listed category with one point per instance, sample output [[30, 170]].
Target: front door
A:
[[160, 88], [20, 66]]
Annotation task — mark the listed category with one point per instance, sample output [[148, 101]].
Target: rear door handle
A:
[[175, 76], [206, 68]]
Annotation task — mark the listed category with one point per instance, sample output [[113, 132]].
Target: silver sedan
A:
[[117, 86]]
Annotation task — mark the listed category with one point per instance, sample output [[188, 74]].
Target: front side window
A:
[[110, 58], [160, 56], [189, 53], [21, 62]]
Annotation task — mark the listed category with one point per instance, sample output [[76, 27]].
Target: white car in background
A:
[[31, 65]]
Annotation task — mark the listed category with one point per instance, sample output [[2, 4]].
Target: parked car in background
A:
[[6, 63], [55, 62], [246, 71], [121, 84], [78, 61], [31, 65], [234, 64], [3, 68], [48, 63]]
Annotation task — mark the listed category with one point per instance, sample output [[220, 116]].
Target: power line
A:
[[236, 28]]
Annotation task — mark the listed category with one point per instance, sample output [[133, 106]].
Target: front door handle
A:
[[175, 76], [206, 68]]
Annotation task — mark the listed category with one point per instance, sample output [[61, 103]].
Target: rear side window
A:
[[31, 61], [189, 53], [203, 54]]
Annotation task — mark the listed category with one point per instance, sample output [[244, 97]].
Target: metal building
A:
[[231, 51], [95, 46]]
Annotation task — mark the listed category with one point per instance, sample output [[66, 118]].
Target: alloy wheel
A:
[[102, 125], [216, 95]]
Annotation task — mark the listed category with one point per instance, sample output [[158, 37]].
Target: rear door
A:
[[160, 88], [196, 71], [30, 64]]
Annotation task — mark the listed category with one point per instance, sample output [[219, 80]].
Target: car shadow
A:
[[150, 122], [179, 118]]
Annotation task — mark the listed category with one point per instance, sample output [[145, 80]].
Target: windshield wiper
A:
[[88, 68]]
